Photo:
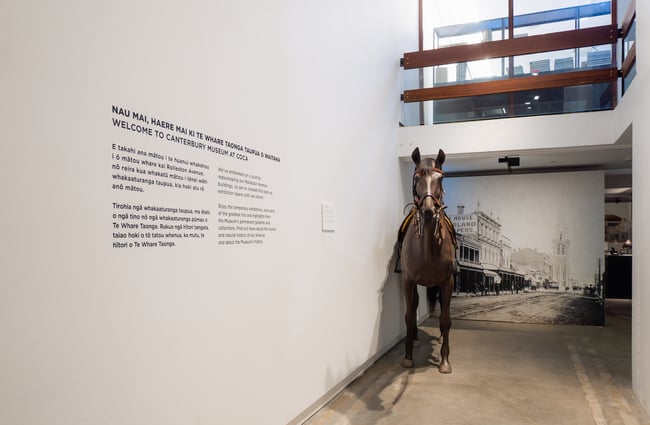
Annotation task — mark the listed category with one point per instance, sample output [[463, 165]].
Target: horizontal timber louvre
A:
[[602, 72], [511, 85], [607, 34]]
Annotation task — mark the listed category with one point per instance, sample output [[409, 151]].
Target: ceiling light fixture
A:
[[512, 161]]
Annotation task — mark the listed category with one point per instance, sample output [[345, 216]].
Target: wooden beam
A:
[[606, 34], [533, 82]]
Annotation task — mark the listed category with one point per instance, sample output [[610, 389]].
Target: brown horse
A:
[[428, 253]]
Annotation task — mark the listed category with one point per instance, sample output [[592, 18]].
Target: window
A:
[[568, 49]]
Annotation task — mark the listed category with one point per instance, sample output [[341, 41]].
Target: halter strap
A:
[[417, 200]]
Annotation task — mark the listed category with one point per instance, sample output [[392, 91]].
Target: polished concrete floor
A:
[[503, 374]]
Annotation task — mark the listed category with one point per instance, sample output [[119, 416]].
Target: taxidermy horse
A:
[[428, 253]]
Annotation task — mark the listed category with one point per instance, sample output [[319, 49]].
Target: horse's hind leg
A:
[[445, 325], [410, 296]]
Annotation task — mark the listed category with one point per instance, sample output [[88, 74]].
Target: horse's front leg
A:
[[416, 302], [410, 296], [445, 325]]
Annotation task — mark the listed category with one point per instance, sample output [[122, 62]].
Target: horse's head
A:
[[427, 184]]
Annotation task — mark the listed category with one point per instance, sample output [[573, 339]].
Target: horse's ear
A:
[[415, 156], [440, 159]]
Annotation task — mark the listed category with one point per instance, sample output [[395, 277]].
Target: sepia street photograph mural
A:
[[530, 247]]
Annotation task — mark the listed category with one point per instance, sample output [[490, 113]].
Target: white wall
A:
[[201, 332], [553, 131], [633, 109]]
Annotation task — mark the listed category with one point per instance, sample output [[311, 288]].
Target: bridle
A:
[[418, 202]]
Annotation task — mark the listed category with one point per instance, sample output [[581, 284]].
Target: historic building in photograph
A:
[[537, 267], [561, 245], [485, 254], [470, 276]]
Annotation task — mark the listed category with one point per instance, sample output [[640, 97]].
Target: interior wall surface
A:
[[633, 110], [253, 124], [549, 131]]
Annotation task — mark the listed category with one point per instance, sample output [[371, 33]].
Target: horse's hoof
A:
[[407, 363], [444, 368]]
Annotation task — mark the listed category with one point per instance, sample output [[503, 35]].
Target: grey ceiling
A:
[[615, 160]]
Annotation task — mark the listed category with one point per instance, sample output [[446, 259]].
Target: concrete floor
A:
[[503, 374]]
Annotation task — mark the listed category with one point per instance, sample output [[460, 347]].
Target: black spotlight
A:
[[512, 161]]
